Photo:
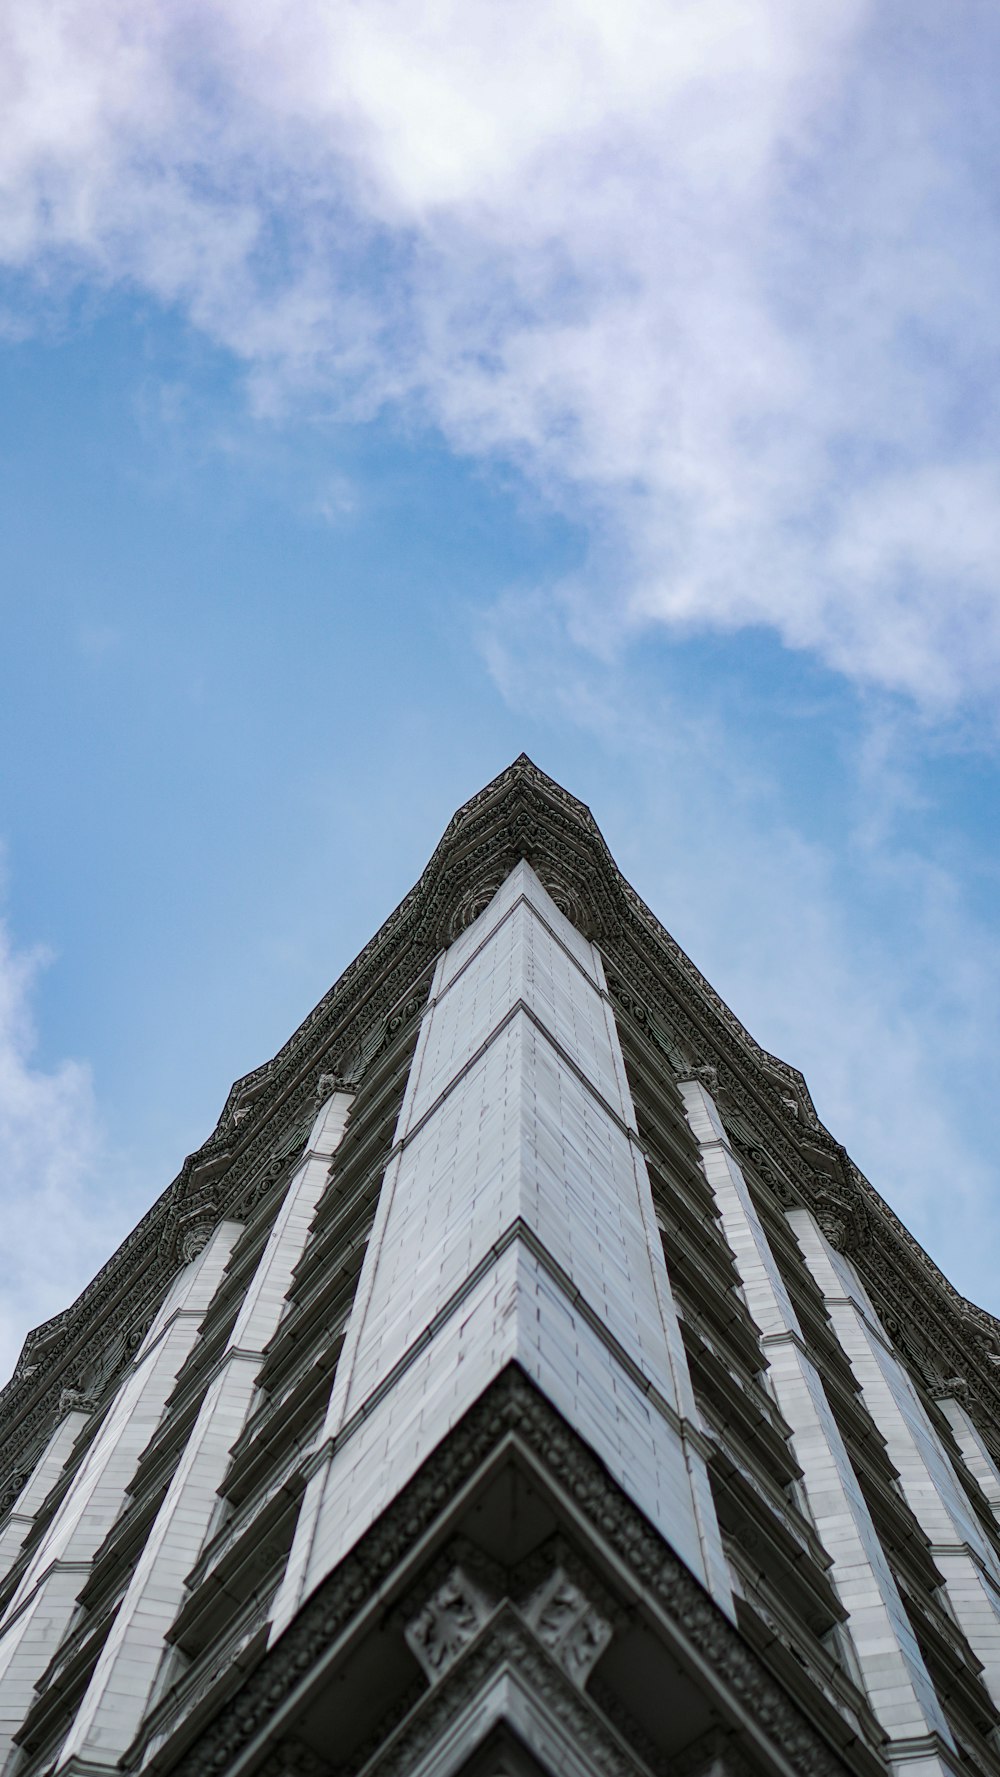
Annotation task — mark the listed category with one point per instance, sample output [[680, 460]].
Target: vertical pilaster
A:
[[38, 1486], [40, 1611], [118, 1695], [515, 1224], [891, 1664], [967, 1561], [977, 1457]]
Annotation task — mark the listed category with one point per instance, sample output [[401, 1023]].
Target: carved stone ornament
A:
[[326, 1086], [505, 1642], [194, 1240], [704, 1074], [10, 1492], [568, 1624], [76, 1400], [510, 1406], [947, 1388], [474, 902], [445, 1625]]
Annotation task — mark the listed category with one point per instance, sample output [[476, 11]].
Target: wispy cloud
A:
[[718, 277], [56, 1231], [849, 950]]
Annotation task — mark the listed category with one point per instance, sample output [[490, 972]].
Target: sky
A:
[[388, 388]]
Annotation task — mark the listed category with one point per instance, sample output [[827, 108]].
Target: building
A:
[[520, 1380]]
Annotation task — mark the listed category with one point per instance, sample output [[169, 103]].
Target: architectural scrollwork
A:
[[195, 1239], [327, 1084], [447, 1622], [568, 1624]]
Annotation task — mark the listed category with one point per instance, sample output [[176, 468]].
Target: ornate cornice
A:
[[510, 1408], [522, 813]]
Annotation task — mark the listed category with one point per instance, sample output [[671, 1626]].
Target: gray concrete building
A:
[[520, 1379]]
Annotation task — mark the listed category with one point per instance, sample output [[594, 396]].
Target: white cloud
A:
[[717, 275], [847, 951], [56, 1230]]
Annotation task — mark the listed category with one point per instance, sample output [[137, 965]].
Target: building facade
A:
[[521, 1379]]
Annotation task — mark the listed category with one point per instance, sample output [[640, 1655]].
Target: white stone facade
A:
[[892, 1668], [967, 1558], [515, 1225], [515, 1413], [45, 1598]]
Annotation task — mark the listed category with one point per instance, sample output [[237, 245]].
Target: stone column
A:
[[898, 1684], [112, 1709], [964, 1555], [40, 1611], [515, 1224], [38, 1486]]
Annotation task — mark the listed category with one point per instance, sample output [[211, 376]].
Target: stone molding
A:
[[564, 1604], [511, 1408], [504, 1641]]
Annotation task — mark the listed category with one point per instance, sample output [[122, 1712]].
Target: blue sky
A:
[[384, 390]]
